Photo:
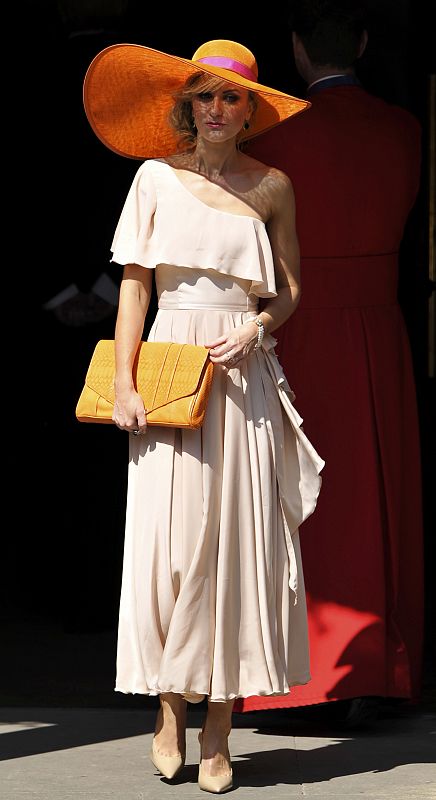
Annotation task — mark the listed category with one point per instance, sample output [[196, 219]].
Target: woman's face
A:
[[219, 115]]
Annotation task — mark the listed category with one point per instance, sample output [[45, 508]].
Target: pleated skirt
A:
[[212, 598]]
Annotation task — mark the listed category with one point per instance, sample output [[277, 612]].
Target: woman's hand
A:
[[233, 347], [129, 412]]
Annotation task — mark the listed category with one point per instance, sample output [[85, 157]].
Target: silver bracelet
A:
[[260, 332]]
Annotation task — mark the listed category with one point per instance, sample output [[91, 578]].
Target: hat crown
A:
[[231, 52]]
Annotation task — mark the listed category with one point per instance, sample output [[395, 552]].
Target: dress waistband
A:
[[189, 306], [349, 281]]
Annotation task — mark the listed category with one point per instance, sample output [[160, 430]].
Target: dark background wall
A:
[[62, 551]]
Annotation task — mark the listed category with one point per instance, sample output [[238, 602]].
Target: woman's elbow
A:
[[294, 294]]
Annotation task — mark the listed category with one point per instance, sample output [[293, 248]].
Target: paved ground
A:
[[101, 754], [66, 735]]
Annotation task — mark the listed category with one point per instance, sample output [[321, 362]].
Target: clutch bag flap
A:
[[173, 380]]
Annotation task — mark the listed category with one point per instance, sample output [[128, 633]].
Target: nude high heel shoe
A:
[[168, 766], [217, 784]]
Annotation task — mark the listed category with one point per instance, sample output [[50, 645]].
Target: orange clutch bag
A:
[[174, 381]]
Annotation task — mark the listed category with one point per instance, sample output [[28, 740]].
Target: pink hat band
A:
[[229, 63]]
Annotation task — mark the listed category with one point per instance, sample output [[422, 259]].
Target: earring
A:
[[246, 125], [194, 127]]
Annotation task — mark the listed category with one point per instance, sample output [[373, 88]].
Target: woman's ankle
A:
[[170, 730], [218, 721]]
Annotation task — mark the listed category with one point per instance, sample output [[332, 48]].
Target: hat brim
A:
[[128, 95]]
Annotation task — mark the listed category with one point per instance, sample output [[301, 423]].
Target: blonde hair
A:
[[181, 117]]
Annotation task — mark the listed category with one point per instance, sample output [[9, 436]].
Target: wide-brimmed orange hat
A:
[[129, 88]]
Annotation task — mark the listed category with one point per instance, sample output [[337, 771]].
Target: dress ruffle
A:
[[164, 223]]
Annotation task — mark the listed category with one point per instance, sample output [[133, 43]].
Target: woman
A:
[[209, 603]]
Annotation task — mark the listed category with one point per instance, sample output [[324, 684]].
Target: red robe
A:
[[354, 162]]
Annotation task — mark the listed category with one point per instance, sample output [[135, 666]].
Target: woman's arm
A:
[[286, 254], [135, 293]]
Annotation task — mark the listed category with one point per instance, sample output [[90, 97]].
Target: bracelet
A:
[[260, 332]]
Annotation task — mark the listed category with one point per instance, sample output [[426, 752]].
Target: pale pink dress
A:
[[212, 597]]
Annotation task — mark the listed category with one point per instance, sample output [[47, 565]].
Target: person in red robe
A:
[[354, 161]]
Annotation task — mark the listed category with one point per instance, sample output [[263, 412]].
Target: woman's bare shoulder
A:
[[268, 173], [271, 183]]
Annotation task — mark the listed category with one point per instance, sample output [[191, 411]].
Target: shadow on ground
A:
[[307, 753]]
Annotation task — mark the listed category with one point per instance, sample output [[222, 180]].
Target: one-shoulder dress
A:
[[212, 597]]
